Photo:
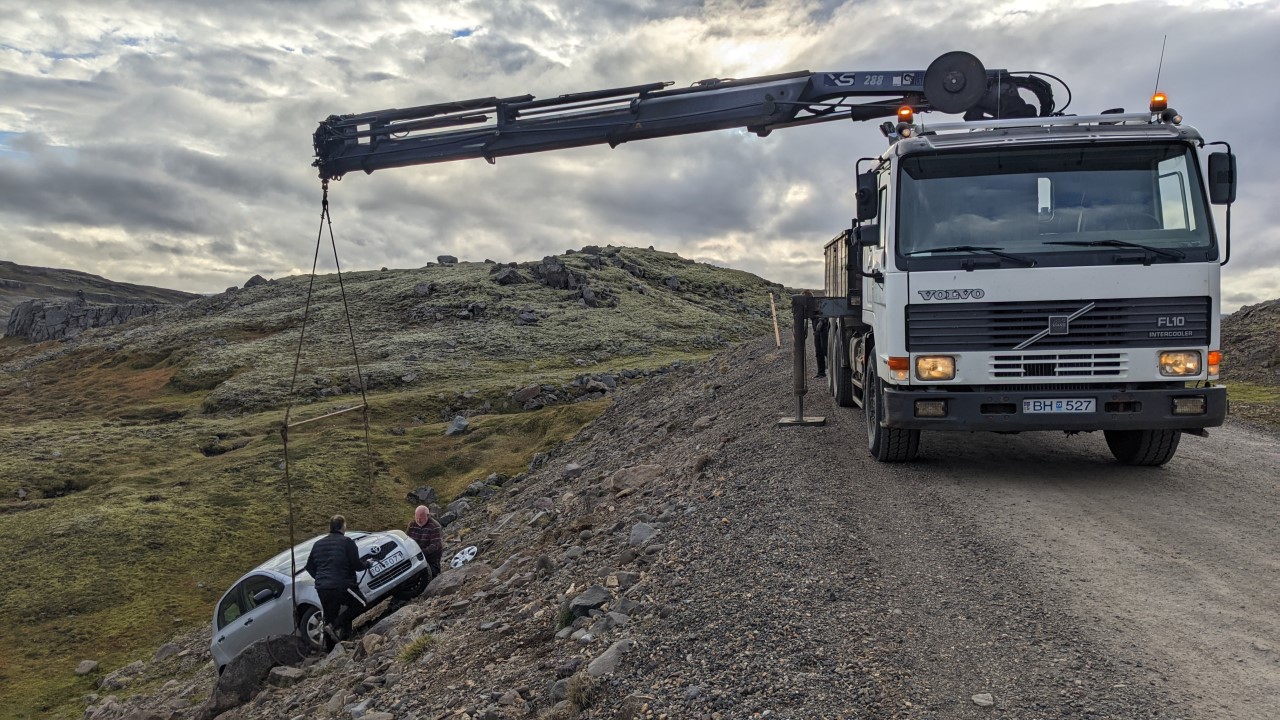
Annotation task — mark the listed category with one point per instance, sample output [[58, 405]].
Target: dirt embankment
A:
[[683, 557]]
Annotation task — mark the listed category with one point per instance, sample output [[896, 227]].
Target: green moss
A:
[[416, 647]]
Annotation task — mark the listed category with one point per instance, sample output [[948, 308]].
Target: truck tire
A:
[[885, 444], [1149, 448], [842, 374]]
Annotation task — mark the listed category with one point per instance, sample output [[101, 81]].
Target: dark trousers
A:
[[820, 348], [434, 562], [340, 607]]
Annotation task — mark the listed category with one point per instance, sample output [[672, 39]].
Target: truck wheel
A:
[[885, 444], [842, 375], [1148, 448], [311, 626]]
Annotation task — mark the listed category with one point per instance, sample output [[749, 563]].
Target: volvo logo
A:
[[1058, 325], [965, 294]]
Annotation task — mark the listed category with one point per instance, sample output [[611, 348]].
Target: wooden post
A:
[[777, 337]]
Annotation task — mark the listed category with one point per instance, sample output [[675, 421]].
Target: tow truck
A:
[[1018, 270]]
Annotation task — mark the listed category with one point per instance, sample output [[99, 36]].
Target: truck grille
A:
[[1075, 364], [1044, 325]]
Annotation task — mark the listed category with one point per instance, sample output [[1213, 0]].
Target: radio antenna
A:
[[1160, 66]]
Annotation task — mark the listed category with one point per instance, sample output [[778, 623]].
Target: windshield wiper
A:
[[1175, 254], [975, 249]]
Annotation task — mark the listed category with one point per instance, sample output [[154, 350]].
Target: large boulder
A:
[[244, 676], [421, 496], [590, 599], [552, 272], [458, 426], [608, 660], [509, 276]]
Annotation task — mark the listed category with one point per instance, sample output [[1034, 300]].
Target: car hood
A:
[[365, 542]]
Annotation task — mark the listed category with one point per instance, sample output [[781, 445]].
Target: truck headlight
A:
[[935, 367], [1179, 363]]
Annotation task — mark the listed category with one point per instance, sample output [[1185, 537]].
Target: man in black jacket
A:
[[333, 563]]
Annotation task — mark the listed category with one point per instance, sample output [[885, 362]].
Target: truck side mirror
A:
[[867, 235], [1222, 178], [866, 195]]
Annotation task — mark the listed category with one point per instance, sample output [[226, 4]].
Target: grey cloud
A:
[[199, 155]]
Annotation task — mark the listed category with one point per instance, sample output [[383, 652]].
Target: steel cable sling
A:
[[325, 220]]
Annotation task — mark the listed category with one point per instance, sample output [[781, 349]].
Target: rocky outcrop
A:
[[37, 321]]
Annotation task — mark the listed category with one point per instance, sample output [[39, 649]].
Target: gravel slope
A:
[[791, 576]]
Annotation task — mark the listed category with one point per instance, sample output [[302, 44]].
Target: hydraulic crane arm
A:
[[493, 127]]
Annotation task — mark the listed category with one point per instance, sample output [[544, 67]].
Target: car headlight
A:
[[935, 367], [1179, 363]]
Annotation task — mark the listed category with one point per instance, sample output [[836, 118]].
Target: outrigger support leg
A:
[[802, 307]]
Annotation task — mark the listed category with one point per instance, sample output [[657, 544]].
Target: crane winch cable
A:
[[325, 220]]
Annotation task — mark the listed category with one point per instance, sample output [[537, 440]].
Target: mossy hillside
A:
[[109, 572], [240, 346], [150, 452]]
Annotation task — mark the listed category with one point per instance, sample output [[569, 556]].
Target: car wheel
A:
[[311, 625], [414, 587]]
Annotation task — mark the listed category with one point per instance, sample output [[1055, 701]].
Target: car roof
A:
[[279, 563]]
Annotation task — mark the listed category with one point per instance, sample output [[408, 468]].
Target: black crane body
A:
[[492, 127]]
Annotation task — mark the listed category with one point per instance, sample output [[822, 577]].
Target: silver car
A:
[[260, 604]]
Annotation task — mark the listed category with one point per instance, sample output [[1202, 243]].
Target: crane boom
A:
[[494, 127]]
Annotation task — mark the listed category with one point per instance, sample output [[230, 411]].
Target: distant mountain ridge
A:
[[19, 283]]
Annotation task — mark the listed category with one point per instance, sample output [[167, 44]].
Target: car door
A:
[[273, 613], [243, 620], [229, 635]]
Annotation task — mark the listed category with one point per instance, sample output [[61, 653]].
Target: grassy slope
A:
[[131, 532], [1251, 362]]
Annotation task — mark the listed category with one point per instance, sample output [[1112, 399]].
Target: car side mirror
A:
[[263, 595], [1222, 178], [866, 196]]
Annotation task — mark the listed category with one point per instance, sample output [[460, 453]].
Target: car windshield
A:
[[1055, 202], [302, 551]]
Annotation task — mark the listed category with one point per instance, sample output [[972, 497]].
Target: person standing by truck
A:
[[333, 563], [820, 327], [429, 535]]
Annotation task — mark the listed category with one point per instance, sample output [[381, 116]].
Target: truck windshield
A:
[[1061, 205]]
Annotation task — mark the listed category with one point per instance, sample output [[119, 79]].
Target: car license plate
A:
[[386, 563], [1057, 405]]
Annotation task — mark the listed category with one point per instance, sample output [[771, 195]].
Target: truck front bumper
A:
[[1003, 411]]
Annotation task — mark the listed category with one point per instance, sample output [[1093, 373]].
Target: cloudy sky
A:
[[169, 142]]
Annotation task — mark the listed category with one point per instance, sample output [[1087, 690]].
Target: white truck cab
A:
[[1053, 273]]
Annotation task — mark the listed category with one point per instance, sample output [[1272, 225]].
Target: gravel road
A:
[[814, 582]]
